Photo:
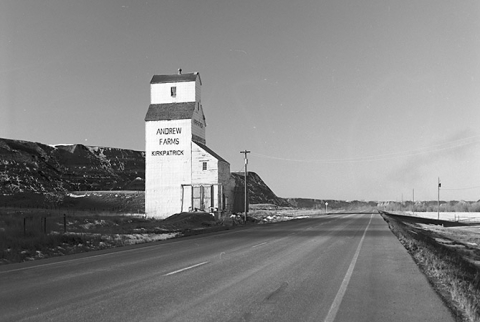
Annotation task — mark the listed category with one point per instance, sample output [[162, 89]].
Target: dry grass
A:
[[464, 235], [453, 275], [275, 214], [24, 237], [95, 220]]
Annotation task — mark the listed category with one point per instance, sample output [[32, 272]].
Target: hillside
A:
[[27, 167], [258, 191]]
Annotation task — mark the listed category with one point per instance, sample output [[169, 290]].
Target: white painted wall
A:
[[186, 92], [217, 173], [200, 176], [165, 170], [187, 199]]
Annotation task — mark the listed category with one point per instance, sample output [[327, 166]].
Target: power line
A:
[[386, 156]]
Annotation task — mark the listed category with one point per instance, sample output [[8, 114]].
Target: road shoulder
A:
[[387, 285]]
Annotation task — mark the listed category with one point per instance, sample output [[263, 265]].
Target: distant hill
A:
[[38, 168], [332, 204]]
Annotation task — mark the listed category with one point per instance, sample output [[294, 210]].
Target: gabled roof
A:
[[170, 111], [175, 78], [209, 151]]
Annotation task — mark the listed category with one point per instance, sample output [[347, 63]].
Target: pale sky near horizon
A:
[[336, 99]]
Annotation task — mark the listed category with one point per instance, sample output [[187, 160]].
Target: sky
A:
[[335, 99]]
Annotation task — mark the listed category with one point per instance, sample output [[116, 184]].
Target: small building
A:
[[181, 173]]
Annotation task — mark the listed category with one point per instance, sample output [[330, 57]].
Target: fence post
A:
[[64, 223]]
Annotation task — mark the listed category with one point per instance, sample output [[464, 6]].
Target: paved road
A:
[[333, 268]]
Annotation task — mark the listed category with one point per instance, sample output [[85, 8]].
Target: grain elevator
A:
[[182, 174]]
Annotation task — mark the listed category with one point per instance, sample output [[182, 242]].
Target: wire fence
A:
[[44, 224]]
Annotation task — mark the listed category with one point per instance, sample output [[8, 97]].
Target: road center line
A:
[[341, 291], [259, 244], [186, 268]]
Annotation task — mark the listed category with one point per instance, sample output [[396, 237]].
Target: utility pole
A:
[[246, 173], [438, 199]]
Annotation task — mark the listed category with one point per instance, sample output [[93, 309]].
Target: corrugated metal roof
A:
[[175, 78], [171, 111], [211, 152]]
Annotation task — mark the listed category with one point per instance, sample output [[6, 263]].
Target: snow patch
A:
[[75, 196]]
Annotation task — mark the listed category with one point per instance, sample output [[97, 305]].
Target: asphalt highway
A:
[[331, 268]]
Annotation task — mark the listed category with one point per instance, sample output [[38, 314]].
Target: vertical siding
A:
[[223, 172], [228, 184]]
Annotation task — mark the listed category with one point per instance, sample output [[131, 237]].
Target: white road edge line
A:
[[186, 268], [332, 313], [259, 245]]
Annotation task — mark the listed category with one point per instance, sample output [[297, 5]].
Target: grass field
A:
[[463, 217], [27, 235], [82, 222], [25, 238]]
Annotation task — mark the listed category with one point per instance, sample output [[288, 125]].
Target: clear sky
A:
[[336, 99]]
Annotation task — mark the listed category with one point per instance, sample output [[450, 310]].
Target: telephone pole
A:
[[246, 197]]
